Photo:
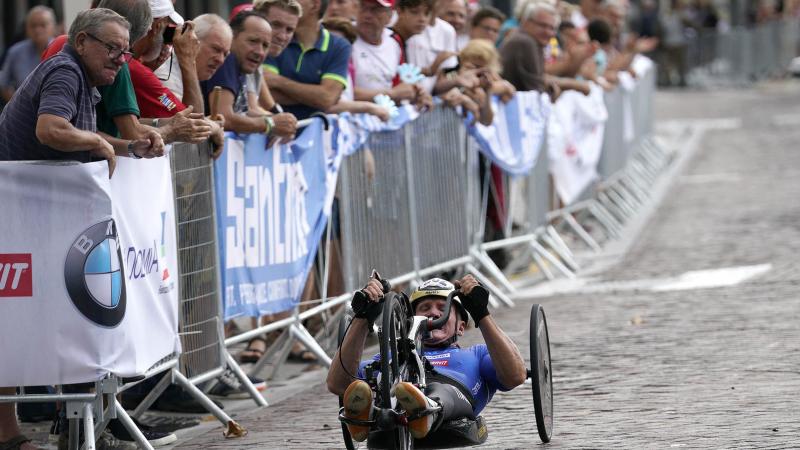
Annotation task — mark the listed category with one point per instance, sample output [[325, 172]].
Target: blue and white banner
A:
[[88, 271], [516, 135], [272, 208]]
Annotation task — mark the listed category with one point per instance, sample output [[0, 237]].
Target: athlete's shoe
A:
[[413, 401], [358, 405]]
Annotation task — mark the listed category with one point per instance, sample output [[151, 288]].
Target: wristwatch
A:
[[130, 151]]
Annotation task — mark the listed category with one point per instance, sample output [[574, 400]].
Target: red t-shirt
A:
[[55, 46], [155, 100]]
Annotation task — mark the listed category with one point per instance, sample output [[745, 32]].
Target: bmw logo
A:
[[94, 276]]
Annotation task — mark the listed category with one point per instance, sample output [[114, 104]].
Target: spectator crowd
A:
[[131, 76]]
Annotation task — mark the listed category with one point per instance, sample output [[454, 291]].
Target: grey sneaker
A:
[[229, 386]]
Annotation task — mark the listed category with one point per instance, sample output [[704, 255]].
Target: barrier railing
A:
[[743, 54]]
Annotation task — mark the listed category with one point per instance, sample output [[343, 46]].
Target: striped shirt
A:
[[58, 86]]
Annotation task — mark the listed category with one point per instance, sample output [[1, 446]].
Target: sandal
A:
[[304, 356], [14, 443], [252, 354]]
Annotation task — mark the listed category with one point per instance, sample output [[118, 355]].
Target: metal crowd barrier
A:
[[743, 54]]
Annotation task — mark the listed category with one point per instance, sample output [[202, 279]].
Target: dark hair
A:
[[487, 12], [341, 25], [408, 4], [565, 25], [237, 23], [599, 30]]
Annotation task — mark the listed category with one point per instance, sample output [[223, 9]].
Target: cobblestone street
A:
[[637, 367]]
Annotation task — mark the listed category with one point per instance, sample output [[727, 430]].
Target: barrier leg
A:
[[612, 226], [537, 247], [271, 351], [88, 427], [487, 263], [152, 396], [566, 256], [233, 428], [243, 378], [300, 333], [581, 232], [283, 354], [624, 206], [127, 422], [612, 208], [490, 286], [559, 242], [74, 434], [542, 266]]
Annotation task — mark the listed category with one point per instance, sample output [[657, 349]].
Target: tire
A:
[[393, 330], [541, 373]]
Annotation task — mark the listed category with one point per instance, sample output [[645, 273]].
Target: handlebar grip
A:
[[438, 323], [385, 284]]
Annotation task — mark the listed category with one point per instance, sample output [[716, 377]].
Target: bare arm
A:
[[319, 96], [350, 354], [402, 91], [356, 107], [56, 132], [186, 47], [239, 123], [508, 362]]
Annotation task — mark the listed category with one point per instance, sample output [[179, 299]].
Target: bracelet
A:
[[130, 151], [269, 123]]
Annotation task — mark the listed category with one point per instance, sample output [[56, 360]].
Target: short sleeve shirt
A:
[[116, 99], [154, 99], [472, 368], [375, 66], [58, 86], [423, 48], [327, 59], [231, 78], [22, 58]]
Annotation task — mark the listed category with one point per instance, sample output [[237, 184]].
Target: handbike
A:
[[400, 345]]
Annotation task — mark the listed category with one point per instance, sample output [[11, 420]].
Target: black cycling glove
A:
[[477, 303], [364, 308]]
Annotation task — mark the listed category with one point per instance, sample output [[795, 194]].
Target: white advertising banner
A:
[[88, 271], [575, 141]]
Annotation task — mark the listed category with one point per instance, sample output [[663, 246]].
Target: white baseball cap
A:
[[164, 8]]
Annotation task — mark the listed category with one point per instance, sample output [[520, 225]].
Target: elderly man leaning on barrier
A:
[[52, 117], [251, 41]]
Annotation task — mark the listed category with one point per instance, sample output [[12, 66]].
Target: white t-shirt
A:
[[423, 48], [374, 66], [462, 40], [171, 80]]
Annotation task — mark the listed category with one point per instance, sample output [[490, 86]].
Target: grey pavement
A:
[[637, 367], [717, 367]]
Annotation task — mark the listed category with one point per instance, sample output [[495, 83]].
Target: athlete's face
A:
[[433, 307]]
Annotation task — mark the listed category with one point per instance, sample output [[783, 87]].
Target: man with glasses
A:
[[52, 117], [486, 24], [522, 53]]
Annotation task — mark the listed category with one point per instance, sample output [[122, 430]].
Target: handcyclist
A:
[[463, 380]]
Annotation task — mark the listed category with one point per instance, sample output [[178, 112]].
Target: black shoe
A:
[[154, 437], [181, 402]]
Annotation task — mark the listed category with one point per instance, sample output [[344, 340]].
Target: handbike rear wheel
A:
[[391, 338], [541, 373]]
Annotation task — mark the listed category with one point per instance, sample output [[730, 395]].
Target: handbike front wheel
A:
[[541, 373], [391, 337], [344, 322]]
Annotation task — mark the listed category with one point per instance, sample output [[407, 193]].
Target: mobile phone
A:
[[169, 34]]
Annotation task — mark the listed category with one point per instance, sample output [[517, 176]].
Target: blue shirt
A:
[[20, 61], [58, 86], [470, 367], [229, 76], [327, 59]]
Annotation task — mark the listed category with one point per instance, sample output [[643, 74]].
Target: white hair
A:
[[205, 23], [537, 6]]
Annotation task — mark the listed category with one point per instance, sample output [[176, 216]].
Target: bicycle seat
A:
[[456, 433]]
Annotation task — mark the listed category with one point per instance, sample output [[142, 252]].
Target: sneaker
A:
[[178, 401], [154, 437], [358, 405], [105, 441], [413, 401], [229, 386]]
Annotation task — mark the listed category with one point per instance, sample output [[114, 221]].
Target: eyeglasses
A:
[[544, 25], [113, 52]]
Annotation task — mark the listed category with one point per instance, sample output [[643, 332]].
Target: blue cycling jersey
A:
[[470, 367]]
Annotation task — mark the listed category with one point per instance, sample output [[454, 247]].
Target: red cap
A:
[[384, 3], [237, 9]]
